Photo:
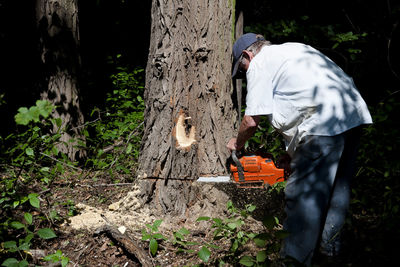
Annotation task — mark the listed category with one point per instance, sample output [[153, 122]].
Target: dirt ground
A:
[[91, 204]]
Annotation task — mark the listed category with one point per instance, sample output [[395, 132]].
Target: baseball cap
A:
[[241, 44]]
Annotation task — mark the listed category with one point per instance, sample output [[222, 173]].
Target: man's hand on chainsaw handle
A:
[[247, 128]]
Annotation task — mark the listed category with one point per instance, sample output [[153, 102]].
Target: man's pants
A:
[[318, 194]]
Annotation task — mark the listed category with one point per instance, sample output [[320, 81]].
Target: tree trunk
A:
[[59, 43], [189, 114]]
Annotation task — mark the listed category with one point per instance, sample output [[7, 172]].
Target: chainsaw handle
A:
[[238, 165]]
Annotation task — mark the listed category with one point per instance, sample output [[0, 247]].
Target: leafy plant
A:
[[380, 166], [230, 229], [115, 136], [179, 240], [57, 257], [26, 231], [29, 157], [266, 138], [152, 234]]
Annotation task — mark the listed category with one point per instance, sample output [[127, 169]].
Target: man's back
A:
[[303, 92]]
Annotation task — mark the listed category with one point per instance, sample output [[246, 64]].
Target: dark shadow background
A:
[[107, 29]]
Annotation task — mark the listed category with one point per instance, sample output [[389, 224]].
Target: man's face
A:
[[245, 61]]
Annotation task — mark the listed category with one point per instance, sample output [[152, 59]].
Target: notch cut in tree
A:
[[189, 115], [184, 137]]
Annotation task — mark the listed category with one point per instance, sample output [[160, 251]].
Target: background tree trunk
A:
[[189, 114], [59, 42]]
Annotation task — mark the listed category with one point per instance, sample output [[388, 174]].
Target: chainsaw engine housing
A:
[[258, 171]]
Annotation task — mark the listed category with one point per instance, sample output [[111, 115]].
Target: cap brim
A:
[[235, 69]]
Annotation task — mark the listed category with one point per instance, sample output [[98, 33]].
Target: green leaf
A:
[[28, 217], [46, 233], [17, 225], [29, 237], [23, 263], [10, 262], [217, 221], [261, 239], [203, 218], [261, 256], [153, 246], [15, 204], [269, 222], [157, 223], [184, 231], [250, 208], [158, 236], [235, 245], [44, 107], [33, 200], [29, 151], [247, 261], [129, 148], [179, 236], [10, 244], [23, 117], [64, 261], [58, 122], [204, 254], [146, 236], [35, 113], [232, 226], [24, 246]]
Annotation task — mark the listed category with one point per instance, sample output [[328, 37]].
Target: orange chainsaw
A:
[[250, 171]]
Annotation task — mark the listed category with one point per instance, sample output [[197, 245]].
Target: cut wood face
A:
[[183, 139]]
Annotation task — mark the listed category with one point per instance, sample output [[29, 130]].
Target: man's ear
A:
[[249, 55]]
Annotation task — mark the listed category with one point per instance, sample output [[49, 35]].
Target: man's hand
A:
[[232, 145]]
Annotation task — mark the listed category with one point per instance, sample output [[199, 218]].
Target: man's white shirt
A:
[[303, 93]]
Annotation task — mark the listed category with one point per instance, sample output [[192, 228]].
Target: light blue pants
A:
[[318, 194]]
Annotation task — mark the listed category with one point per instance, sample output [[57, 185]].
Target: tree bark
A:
[[189, 114], [57, 22]]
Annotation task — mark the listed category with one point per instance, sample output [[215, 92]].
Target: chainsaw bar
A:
[[215, 179]]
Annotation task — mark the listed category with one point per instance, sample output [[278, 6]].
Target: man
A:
[[318, 110]]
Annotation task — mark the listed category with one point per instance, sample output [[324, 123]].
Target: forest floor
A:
[[91, 204]]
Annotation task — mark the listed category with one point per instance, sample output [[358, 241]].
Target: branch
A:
[[68, 165], [127, 243]]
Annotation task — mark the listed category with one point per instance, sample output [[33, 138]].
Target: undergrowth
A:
[[31, 162], [232, 231]]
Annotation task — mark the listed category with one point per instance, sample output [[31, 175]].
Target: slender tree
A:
[[58, 27], [189, 114]]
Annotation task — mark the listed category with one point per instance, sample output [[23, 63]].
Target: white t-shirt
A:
[[303, 93]]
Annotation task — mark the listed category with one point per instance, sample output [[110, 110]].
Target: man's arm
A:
[[247, 128]]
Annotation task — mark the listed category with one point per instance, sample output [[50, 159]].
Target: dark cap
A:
[[242, 44]]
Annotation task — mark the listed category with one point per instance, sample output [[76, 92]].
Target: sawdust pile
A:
[[130, 213]]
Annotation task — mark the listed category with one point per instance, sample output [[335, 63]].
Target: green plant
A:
[[180, 241], [25, 231], [266, 138], [379, 166], [152, 234], [57, 257], [29, 157], [231, 229], [114, 139]]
